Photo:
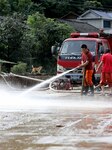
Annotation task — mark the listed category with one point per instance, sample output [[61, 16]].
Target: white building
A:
[[99, 19]]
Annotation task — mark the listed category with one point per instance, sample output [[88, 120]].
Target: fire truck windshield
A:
[[74, 47]]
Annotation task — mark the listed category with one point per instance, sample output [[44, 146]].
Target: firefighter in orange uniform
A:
[[106, 63], [87, 63]]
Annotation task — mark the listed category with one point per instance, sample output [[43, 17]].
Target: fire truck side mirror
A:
[[55, 50]]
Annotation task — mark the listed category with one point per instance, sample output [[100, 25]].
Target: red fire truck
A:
[[69, 54]]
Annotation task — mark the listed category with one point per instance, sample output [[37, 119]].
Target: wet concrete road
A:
[[56, 121]]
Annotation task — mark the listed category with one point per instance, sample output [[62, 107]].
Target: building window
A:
[[106, 24]]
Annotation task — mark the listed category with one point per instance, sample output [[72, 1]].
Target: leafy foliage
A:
[[45, 32], [25, 7], [20, 68], [30, 41], [92, 4], [58, 8], [12, 31]]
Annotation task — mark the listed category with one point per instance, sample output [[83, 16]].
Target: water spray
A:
[[49, 80], [3, 76]]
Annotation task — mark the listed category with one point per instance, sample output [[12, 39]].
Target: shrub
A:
[[20, 68]]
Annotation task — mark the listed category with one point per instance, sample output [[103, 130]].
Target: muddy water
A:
[[44, 120]]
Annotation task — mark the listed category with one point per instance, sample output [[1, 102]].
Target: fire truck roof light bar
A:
[[92, 34]]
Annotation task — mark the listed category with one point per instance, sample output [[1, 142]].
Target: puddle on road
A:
[[43, 120], [59, 130]]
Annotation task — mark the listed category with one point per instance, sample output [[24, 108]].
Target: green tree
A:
[[4, 7], [20, 68], [44, 32], [57, 8], [107, 4], [92, 5], [12, 31], [25, 7]]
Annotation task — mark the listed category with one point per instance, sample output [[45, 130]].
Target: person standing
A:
[[87, 64], [106, 63], [100, 87]]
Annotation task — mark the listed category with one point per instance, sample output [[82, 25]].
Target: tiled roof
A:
[[103, 14], [99, 13], [70, 14], [80, 26]]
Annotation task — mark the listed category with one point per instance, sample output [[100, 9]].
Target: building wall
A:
[[91, 15], [95, 23], [98, 21]]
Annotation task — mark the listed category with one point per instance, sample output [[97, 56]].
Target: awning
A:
[[7, 62]]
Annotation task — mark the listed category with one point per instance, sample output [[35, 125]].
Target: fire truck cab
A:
[[69, 54]]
